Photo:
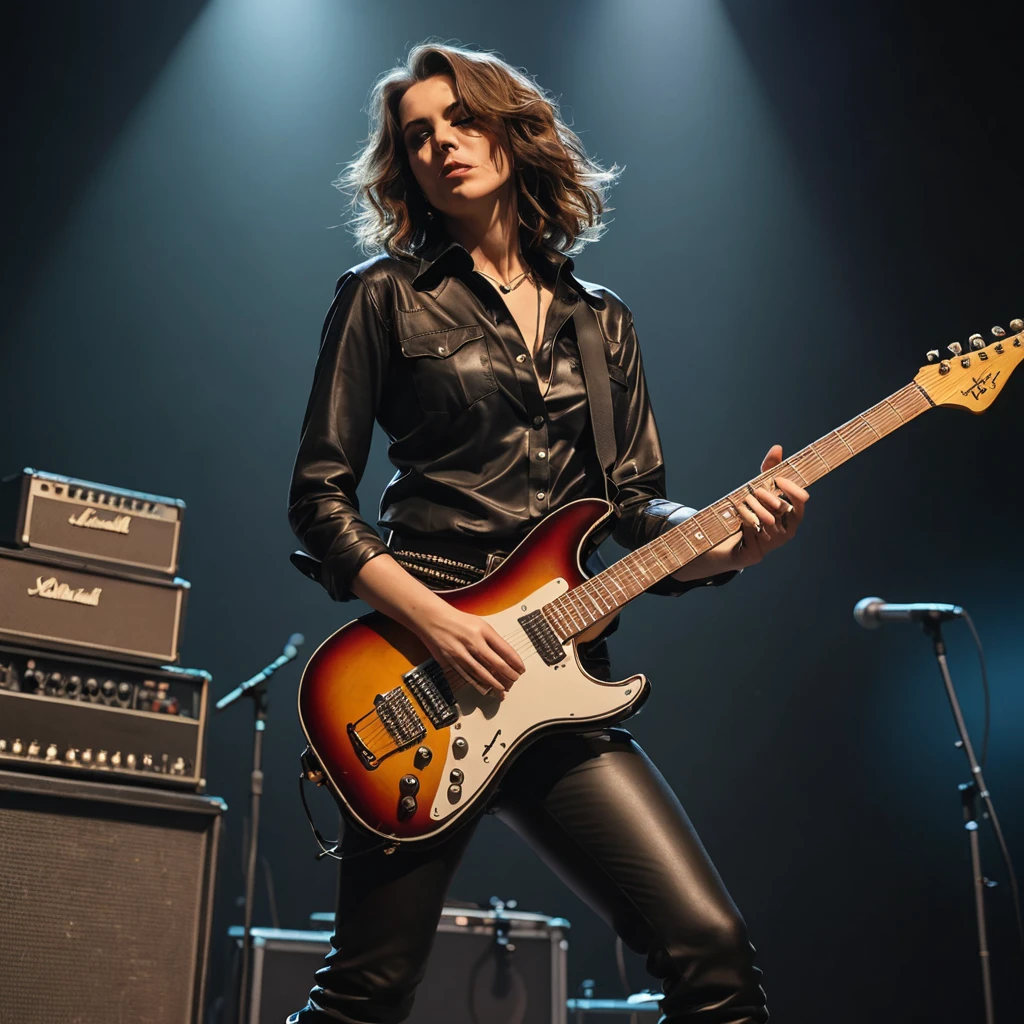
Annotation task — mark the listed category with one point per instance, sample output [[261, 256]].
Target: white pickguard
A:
[[542, 694]]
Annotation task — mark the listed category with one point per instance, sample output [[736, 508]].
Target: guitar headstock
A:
[[973, 378]]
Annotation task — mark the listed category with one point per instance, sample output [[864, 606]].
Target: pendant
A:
[[504, 289]]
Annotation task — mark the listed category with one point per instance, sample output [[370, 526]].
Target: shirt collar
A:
[[444, 256]]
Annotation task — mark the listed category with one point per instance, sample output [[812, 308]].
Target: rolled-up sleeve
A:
[[639, 471], [336, 432]]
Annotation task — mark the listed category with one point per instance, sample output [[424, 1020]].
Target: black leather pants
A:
[[601, 814]]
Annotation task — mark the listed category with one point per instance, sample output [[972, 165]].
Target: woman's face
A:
[[455, 161]]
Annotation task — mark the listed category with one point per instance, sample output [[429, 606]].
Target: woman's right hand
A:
[[464, 645], [467, 646]]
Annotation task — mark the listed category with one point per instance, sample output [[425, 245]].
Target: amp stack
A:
[[91, 614], [108, 843]]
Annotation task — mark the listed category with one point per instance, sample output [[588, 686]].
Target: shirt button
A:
[[442, 350], [541, 495], [520, 358], [538, 421], [542, 455]]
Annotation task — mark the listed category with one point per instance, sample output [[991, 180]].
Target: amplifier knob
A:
[[16, 747], [53, 683], [101, 757], [87, 755], [52, 752], [92, 689], [74, 687], [147, 760], [71, 755], [124, 694], [115, 759], [33, 749], [108, 689], [129, 761], [178, 768], [3, 746]]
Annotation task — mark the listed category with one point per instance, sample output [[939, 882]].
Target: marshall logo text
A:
[[89, 520], [55, 591]]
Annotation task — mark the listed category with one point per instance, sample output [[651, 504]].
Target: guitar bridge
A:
[[395, 712], [543, 638]]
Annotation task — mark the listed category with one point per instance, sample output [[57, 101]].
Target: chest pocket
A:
[[450, 368]]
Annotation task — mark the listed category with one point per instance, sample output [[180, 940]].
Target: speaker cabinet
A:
[[471, 977], [105, 901]]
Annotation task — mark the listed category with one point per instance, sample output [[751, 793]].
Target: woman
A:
[[459, 340]]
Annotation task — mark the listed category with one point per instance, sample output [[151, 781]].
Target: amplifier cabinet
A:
[[121, 723], [72, 607], [92, 522], [470, 977], [106, 902]]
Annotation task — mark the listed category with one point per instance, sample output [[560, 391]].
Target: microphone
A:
[[291, 650], [871, 612], [295, 641]]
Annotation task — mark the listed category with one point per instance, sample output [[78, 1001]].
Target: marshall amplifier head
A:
[[93, 522], [69, 606]]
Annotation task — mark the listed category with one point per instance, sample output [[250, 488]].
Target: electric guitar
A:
[[409, 752]]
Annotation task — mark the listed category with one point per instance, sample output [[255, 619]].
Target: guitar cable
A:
[[328, 848]]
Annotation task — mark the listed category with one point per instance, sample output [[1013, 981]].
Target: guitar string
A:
[[832, 444]]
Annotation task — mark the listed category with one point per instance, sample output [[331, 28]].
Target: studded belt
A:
[[443, 562]]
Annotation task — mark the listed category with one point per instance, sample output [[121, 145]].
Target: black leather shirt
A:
[[483, 450]]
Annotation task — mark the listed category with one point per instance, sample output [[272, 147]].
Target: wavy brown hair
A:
[[561, 191]]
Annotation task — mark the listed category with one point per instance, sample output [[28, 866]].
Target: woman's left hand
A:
[[769, 521]]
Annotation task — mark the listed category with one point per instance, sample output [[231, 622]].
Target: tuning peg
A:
[[944, 367], [1017, 326], [976, 341], [933, 356], [998, 332], [956, 348]]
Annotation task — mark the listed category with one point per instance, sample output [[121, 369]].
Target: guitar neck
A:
[[602, 595]]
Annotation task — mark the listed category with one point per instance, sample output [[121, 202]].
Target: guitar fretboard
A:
[[602, 595]]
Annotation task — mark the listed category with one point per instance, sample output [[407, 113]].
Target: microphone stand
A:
[[256, 689], [968, 793]]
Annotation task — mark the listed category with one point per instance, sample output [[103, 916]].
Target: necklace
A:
[[512, 285]]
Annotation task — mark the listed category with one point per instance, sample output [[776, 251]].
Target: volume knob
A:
[[407, 807], [460, 748]]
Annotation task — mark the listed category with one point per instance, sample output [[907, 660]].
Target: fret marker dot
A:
[[699, 536], [726, 515]]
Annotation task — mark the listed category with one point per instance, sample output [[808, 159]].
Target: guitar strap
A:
[[590, 340]]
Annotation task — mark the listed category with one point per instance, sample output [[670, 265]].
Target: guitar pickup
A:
[[433, 694], [542, 636]]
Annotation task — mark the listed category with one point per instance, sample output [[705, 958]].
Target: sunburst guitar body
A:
[[409, 753]]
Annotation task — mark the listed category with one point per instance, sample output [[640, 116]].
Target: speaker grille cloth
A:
[[98, 916]]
